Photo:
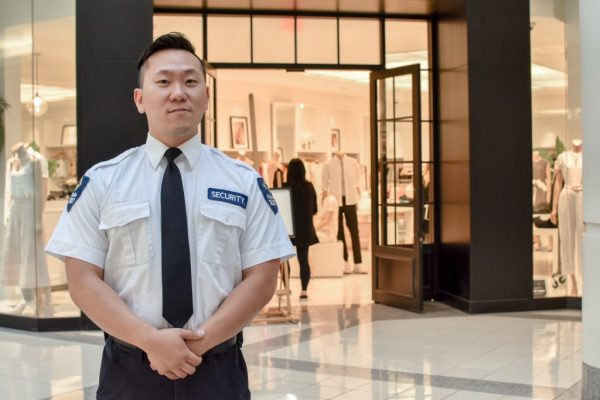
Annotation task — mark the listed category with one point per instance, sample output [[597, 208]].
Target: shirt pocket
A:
[[128, 231], [218, 235]]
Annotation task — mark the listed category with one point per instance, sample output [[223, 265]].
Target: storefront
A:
[[443, 116]]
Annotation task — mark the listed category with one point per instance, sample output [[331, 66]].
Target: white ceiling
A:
[[295, 80]]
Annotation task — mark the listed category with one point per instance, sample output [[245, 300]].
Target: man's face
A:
[[173, 96]]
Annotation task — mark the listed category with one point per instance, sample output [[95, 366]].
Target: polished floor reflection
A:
[[345, 347]]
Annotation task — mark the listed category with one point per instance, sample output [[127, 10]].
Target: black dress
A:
[[304, 206]]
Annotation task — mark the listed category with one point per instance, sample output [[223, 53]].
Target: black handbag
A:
[[543, 223]]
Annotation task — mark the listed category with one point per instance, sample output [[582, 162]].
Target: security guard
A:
[[171, 248]]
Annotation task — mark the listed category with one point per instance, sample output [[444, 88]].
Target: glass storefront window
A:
[[317, 40], [557, 149], [190, 25], [273, 39], [221, 29], [38, 137], [359, 41]]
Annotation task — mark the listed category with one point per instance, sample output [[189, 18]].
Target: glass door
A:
[[208, 126], [398, 205]]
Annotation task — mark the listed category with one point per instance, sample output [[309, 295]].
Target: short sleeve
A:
[[77, 233], [560, 163], [265, 237], [44, 165]]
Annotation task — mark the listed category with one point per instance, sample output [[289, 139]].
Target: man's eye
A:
[[162, 82], [191, 82]]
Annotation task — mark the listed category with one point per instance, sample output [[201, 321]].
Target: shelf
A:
[[62, 146], [263, 155]]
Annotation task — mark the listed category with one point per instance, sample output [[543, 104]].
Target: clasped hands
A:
[[175, 353]]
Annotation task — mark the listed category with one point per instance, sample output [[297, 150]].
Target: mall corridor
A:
[[352, 350]]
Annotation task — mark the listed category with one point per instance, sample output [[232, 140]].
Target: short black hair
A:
[[168, 41]]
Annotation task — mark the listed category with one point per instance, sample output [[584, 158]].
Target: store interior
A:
[[556, 150], [308, 113]]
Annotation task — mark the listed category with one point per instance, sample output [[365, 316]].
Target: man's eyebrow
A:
[[170, 71]]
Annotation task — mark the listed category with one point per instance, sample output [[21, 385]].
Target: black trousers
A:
[[125, 374], [304, 267], [352, 223]]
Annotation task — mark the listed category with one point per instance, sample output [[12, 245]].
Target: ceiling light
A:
[[37, 106]]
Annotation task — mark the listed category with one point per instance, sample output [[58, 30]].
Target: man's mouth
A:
[[181, 109]]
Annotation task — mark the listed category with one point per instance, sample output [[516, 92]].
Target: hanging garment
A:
[[328, 233], [540, 187]]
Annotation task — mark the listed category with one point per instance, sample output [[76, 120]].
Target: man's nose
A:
[[178, 92]]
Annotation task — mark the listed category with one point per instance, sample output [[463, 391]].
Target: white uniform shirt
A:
[[332, 179], [114, 223]]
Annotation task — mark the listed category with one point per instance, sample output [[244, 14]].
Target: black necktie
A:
[[176, 265]]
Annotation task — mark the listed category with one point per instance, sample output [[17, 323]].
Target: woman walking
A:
[[304, 206]]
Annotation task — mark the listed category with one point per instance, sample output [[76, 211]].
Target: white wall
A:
[[322, 111]]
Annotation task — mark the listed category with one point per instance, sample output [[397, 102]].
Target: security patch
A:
[[77, 193], [262, 185], [237, 199]]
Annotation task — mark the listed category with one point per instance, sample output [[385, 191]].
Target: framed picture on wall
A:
[[335, 139], [69, 135], [239, 132]]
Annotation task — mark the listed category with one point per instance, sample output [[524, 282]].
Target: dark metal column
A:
[[110, 34]]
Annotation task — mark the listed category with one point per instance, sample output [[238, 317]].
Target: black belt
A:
[[218, 349]]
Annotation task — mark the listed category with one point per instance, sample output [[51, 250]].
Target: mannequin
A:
[[340, 178], [541, 183], [568, 207], [274, 165], [24, 258]]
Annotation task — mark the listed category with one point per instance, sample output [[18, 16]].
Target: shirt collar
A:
[[155, 149]]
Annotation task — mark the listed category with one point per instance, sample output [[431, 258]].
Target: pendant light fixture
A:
[[37, 106]]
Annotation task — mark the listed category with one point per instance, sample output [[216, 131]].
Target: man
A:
[[340, 178], [171, 248]]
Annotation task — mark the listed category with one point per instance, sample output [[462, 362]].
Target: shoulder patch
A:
[[77, 193], [226, 196], [262, 185]]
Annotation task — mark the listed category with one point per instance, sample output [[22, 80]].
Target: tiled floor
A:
[[345, 347]]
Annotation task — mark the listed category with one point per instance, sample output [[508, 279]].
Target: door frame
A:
[[392, 261]]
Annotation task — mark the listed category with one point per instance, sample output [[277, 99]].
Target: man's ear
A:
[[138, 97]]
